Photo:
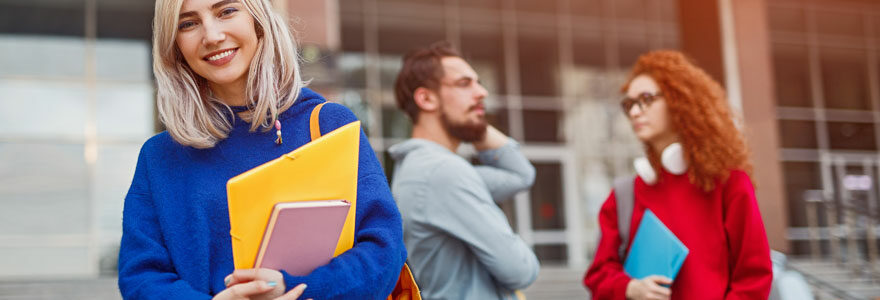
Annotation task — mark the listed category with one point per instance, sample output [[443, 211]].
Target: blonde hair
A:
[[195, 118]]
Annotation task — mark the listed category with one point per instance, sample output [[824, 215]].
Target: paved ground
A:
[[553, 283], [831, 280], [73, 289], [558, 283]]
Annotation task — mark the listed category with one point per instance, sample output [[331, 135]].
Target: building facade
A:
[[802, 76]]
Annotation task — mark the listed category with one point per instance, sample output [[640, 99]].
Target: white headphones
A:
[[672, 160]]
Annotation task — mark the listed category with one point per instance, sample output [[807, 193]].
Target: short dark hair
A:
[[422, 67]]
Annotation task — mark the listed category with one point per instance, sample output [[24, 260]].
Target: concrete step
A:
[[557, 282], [50, 289], [552, 283]]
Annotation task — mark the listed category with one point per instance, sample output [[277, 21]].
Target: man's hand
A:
[[493, 139], [648, 288]]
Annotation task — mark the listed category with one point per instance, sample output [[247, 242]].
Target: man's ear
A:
[[426, 99]]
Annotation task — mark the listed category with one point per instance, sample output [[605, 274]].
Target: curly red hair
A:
[[700, 115]]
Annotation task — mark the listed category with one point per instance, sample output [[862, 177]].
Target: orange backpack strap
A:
[[406, 288], [314, 124]]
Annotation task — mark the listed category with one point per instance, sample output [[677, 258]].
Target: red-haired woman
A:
[[696, 181]]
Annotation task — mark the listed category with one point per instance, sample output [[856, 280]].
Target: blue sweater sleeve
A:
[[145, 267], [370, 269]]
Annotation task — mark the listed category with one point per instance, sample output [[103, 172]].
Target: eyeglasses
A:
[[643, 100]]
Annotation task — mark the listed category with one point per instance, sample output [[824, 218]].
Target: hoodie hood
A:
[[399, 151], [306, 94]]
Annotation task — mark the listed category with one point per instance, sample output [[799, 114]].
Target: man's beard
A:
[[466, 131]]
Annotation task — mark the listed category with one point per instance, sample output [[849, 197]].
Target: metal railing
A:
[[845, 214]]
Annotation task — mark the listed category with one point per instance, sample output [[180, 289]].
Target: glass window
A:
[[792, 76], [62, 106], [483, 47], [387, 164], [532, 6], [389, 67], [40, 197], [509, 208], [114, 170], [629, 50], [43, 56], [845, 79], [547, 203], [551, 254], [123, 60], [839, 23], [631, 9], [786, 19], [586, 8], [401, 39], [851, 136], [543, 126], [589, 52], [357, 102], [397, 3], [798, 134], [876, 22], [395, 123], [800, 177], [352, 28], [124, 111], [60, 18], [538, 62], [51, 262], [125, 19], [669, 11], [498, 118], [587, 78], [484, 4], [857, 198], [352, 66]]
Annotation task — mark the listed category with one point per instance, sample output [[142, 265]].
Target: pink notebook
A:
[[301, 236]]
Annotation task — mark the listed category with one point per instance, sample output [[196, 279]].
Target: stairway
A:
[[831, 280], [558, 283]]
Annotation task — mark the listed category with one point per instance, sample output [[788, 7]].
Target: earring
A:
[[278, 130]]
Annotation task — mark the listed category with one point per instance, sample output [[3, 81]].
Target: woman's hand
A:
[[249, 276], [254, 289], [648, 288], [244, 291], [294, 293]]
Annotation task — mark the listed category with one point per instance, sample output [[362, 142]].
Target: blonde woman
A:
[[227, 76]]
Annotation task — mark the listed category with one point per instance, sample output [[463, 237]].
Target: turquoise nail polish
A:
[[271, 283]]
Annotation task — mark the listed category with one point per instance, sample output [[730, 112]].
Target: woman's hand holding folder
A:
[[648, 288], [258, 284]]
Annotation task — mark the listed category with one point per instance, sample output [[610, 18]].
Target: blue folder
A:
[[655, 250]]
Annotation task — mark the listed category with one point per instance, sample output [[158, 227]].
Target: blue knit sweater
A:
[[175, 224]]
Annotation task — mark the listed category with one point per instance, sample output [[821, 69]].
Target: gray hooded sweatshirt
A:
[[459, 242]]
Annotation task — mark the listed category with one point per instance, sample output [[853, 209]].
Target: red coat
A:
[[729, 256]]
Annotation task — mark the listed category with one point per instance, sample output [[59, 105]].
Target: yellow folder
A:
[[323, 169]]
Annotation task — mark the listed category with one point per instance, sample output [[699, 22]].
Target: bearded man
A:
[[459, 242]]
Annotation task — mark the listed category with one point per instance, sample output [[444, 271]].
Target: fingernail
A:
[[226, 281], [303, 285], [271, 283]]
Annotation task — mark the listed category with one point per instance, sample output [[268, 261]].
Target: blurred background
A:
[[803, 77]]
